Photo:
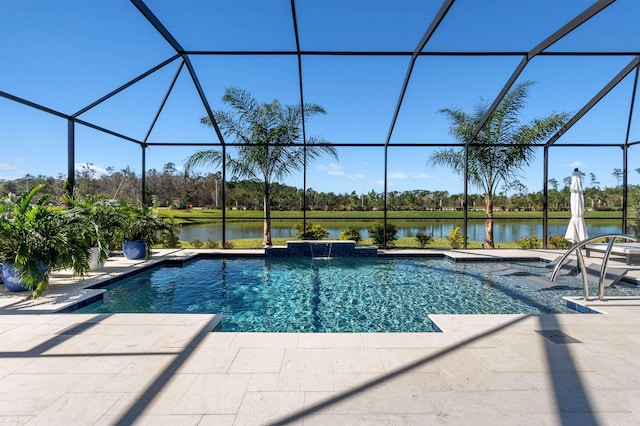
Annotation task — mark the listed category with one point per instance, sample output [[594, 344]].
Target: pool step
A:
[[612, 276], [570, 267]]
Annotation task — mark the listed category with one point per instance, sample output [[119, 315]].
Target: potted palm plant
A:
[[102, 219], [37, 238], [141, 228]]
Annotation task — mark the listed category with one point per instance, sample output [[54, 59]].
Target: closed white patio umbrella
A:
[[577, 230]]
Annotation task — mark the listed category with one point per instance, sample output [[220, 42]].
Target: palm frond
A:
[[202, 159]]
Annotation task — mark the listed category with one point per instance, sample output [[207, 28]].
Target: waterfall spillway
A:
[[323, 253], [327, 249]]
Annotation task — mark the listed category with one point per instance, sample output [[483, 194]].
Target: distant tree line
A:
[[170, 187]]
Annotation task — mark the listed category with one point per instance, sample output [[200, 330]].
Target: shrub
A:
[[211, 244], [635, 228], [169, 237], [377, 232], [455, 238], [350, 233], [531, 242], [423, 239], [228, 245], [559, 242], [312, 231], [196, 243]]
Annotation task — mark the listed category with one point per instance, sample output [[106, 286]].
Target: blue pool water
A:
[[338, 295]]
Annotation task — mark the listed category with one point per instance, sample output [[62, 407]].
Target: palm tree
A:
[[271, 139], [501, 149], [617, 173]]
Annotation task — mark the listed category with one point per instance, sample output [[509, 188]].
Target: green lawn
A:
[[208, 215]]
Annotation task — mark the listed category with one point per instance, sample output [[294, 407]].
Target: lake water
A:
[[504, 231]]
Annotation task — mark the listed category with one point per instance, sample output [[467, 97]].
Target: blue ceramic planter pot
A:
[[11, 280], [134, 249]]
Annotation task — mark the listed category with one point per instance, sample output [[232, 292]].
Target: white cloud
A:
[[6, 166], [420, 175], [334, 169], [575, 164], [99, 171], [397, 175], [331, 169], [409, 175]]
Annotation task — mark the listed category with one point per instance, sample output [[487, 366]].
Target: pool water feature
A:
[[384, 294]]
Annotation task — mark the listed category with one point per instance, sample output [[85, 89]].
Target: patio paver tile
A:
[[306, 369], [267, 407], [257, 360], [214, 394]]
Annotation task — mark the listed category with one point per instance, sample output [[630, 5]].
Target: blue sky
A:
[[67, 54]]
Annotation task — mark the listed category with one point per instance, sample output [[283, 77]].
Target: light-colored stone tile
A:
[[139, 375], [76, 408], [415, 359], [134, 344], [402, 340], [198, 321], [390, 395], [208, 360], [149, 403], [269, 407], [14, 420], [151, 420], [356, 360], [306, 369], [135, 319], [628, 400], [29, 394], [214, 394], [11, 365], [510, 359], [217, 420], [461, 370], [263, 382], [103, 364], [16, 341], [476, 404], [518, 380], [330, 340], [217, 340], [431, 382], [572, 394], [82, 344], [265, 340], [51, 364], [257, 360], [626, 418], [371, 419]]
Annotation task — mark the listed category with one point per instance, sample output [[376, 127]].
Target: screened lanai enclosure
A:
[[404, 93]]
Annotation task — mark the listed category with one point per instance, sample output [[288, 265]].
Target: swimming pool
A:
[[383, 294]]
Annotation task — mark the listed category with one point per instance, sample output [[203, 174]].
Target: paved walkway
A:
[[70, 369]]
